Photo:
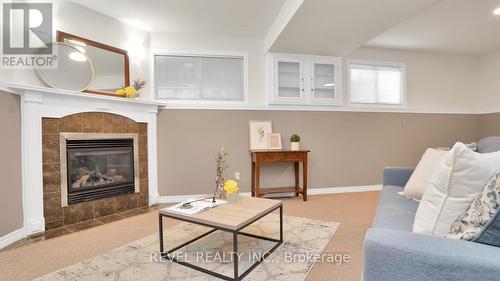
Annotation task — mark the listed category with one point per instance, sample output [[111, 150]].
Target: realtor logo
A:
[[27, 28], [27, 36]]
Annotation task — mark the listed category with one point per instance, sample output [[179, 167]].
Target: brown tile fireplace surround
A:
[[88, 122]]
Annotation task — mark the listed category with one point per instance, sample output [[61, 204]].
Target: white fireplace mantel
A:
[[39, 102]]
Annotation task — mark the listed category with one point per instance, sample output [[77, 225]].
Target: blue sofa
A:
[[394, 252]]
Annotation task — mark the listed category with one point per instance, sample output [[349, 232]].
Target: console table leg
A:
[[253, 179], [257, 179], [297, 181], [304, 178]]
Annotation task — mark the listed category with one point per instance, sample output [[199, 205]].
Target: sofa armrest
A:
[[396, 255], [397, 176]]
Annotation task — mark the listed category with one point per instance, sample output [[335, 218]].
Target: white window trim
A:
[[210, 53], [376, 63]]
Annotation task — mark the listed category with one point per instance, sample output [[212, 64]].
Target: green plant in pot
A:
[[295, 140]]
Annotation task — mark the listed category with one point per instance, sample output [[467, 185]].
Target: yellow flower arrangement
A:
[[231, 186], [131, 91], [121, 93]]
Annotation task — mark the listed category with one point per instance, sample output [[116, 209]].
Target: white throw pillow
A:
[[459, 178], [421, 177]]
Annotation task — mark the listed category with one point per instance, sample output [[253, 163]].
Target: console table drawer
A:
[[271, 157], [293, 156], [278, 157]]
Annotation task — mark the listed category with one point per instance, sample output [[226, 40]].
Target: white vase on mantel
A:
[[295, 146]]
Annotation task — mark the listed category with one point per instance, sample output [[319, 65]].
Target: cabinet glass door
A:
[[289, 76], [323, 82]]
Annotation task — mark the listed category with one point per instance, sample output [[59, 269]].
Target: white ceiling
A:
[[329, 27], [245, 18], [450, 26], [336, 27]]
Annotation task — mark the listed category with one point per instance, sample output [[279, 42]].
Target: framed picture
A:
[[274, 141], [259, 131]]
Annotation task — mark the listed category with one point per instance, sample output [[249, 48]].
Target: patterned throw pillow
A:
[[480, 214]]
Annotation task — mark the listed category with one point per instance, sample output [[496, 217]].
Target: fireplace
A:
[[96, 166]]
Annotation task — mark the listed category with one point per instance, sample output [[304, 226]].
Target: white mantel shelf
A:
[[39, 102], [21, 89]]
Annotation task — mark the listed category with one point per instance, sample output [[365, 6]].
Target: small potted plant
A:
[[295, 140]]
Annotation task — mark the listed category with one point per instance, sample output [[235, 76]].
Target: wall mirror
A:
[[111, 65]]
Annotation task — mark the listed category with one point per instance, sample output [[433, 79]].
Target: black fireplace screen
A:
[[99, 168]]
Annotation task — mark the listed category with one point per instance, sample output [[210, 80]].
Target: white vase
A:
[[295, 146]]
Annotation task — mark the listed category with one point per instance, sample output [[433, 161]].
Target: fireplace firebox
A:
[[96, 166]]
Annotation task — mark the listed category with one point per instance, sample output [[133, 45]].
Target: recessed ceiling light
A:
[[497, 12]]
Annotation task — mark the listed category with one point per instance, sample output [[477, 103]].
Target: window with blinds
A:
[[376, 83], [199, 78]]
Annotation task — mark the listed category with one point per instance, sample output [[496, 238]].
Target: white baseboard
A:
[[154, 198], [12, 237], [344, 189], [310, 191]]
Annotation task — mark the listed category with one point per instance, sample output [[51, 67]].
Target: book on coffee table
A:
[[195, 206]]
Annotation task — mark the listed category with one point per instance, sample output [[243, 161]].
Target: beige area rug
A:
[[303, 238]]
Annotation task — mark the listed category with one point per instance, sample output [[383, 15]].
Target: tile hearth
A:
[[60, 231]]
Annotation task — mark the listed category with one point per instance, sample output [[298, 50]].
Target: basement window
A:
[[376, 83], [194, 78]]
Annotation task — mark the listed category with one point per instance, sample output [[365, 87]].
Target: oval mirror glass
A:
[[74, 70]]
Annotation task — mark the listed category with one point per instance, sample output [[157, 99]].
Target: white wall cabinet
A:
[[304, 80]]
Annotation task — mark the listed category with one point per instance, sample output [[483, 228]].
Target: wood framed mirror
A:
[[111, 64]]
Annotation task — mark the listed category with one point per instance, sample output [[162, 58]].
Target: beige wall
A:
[[348, 149], [11, 208], [489, 125]]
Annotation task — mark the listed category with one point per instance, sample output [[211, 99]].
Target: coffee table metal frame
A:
[[235, 232]]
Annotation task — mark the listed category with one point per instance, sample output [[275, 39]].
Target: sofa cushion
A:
[[395, 211], [392, 255], [420, 178], [460, 176]]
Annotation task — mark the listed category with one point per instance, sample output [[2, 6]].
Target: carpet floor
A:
[[134, 262], [354, 211]]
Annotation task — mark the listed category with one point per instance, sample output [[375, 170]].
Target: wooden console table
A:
[[280, 156]]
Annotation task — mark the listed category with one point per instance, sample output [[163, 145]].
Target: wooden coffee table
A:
[[231, 217]]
